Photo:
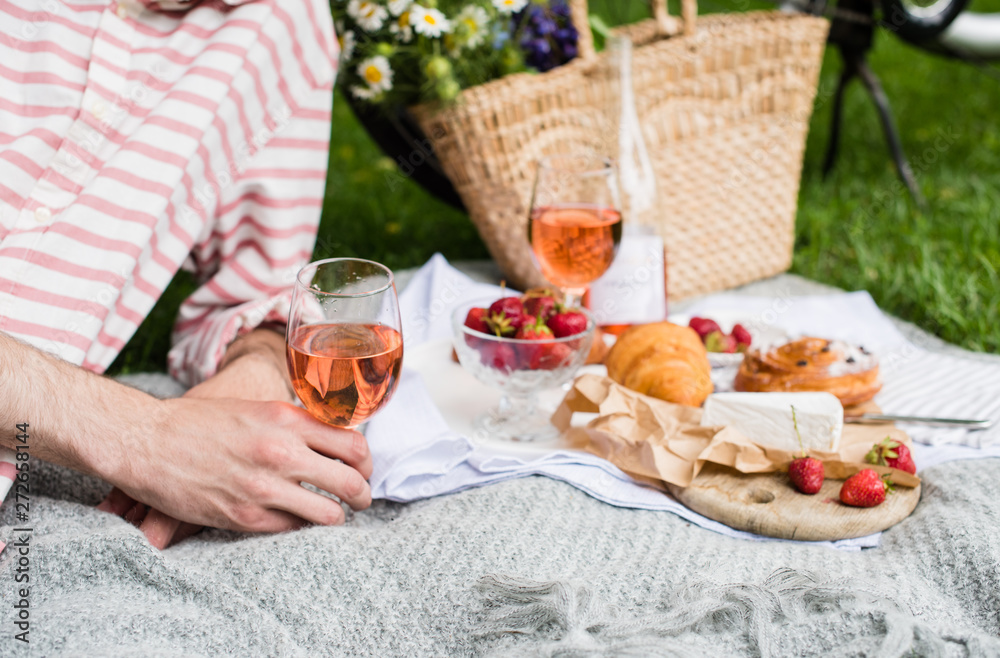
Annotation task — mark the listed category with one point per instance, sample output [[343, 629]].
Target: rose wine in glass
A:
[[344, 345], [344, 373], [575, 244], [576, 222]]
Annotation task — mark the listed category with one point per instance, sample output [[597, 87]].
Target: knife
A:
[[967, 423]]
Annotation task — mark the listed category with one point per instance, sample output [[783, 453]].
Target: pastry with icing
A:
[[811, 364]]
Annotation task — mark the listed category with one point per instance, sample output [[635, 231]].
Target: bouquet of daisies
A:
[[403, 52]]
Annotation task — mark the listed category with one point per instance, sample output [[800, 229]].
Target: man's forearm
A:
[[76, 418], [79, 419]]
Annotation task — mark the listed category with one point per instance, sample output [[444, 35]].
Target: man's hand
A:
[[265, 468], [228, 463], [238, 465]]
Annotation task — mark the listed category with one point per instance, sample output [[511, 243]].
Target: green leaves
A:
[[601, 30], [881, 451]]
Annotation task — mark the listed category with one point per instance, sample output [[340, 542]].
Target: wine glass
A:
[[576, 221], [344, 339]]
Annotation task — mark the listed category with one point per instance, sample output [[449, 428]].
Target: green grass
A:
[[373, 211], [856, 230]]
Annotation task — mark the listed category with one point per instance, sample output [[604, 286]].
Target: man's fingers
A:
[[348, 446], [117, 502], [136, 514], [339, 479], [271, 520], [184, 531], [159, 528], [312, 507]]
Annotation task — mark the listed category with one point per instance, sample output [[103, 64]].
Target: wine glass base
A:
[[533, 426]]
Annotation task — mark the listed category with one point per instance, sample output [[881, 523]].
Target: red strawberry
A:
[[891, 453], [703, 326], [567, 323], [496, 355], [550, 356], [742, 336], [476, 319], [806, 473], [864, 489], [540, 302], [506, 316], [511, 306], [720, 342], [533, 329]]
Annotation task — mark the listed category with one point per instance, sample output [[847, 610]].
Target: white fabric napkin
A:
[[420, 452]]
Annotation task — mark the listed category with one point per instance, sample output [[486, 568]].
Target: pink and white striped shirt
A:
[[135, 140]]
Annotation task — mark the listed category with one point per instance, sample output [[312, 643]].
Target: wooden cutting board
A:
[[767, 504]]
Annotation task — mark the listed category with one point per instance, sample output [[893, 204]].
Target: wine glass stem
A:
[[573, 297]]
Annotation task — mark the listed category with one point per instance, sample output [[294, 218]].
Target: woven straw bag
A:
[[723, 106]]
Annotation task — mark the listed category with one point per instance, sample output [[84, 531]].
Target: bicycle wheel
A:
[[920, 20]]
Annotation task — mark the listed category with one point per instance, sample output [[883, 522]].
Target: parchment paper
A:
[[657, 441]]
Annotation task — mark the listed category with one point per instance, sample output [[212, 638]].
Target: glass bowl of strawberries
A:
[[521, 345]]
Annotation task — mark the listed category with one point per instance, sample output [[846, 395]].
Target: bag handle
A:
[[667, 25]]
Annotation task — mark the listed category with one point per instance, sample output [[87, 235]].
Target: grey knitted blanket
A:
[[529, 567]]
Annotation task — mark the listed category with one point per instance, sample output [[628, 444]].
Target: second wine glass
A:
[[576, 221]]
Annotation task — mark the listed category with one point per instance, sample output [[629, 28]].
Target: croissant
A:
[[812, 364], [663, 360]]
